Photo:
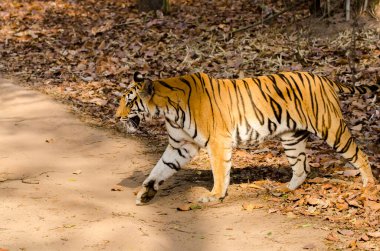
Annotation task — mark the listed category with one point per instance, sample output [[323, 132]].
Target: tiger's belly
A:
[[245, 134]]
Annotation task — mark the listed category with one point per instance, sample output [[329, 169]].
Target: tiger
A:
[[219, 114]]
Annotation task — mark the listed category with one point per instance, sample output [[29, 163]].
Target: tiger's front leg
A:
[[220, 153], [176, 155]]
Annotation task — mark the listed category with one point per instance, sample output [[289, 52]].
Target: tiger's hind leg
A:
[[342, 142], [295, 149]]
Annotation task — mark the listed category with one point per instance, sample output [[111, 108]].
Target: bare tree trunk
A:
[[365, 5], [315, 8], [348, 10], [328, 7], [148, 5]]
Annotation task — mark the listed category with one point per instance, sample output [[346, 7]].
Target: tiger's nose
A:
[[117, 114]]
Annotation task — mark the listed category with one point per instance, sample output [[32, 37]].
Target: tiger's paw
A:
[[210, 197], [146, 194]]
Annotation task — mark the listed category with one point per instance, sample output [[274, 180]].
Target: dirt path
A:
[[40, 142]]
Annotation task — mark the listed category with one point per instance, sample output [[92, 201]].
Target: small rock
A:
[[77, 172], [117, 188]]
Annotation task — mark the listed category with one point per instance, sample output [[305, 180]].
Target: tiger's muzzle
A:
[[131, 124]]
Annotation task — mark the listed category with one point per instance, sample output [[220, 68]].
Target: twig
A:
[[266, 19]]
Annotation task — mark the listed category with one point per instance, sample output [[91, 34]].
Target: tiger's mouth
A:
[[131, 124]]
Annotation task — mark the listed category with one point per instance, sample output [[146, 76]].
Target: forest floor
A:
[[84, 53]]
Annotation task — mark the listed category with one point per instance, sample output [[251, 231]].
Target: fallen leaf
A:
[[341, 206], [364, 237], [188, 207], [374, 206], [272, 210], [250, 206], [98, 101], [367, 246], [357, 127], [359, 223], [352, 244], [315, 165], [351, 173], [374, 234], [312, 210], [346, 232], [256, 186], [332, 237], [354, 203], [317, 180], [313, 201]]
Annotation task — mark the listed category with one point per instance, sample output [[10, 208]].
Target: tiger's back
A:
[[270, 105]]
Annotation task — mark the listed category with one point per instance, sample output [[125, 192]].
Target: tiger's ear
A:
[[148, 89], [138, 77]]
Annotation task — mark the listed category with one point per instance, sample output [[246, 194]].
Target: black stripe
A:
[[279, 92], [270, 125], [237, 98], [259, 115], [258, 83], [354, 157], [207, 140], [188, 96], [276, 109], [163, 83], [175, 140], [173, 166], [179, 151], [172, 124], [198, 75]]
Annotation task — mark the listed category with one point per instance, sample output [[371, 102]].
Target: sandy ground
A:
[[56, 178]]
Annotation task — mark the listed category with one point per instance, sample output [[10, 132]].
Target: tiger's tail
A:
[[351, 89]]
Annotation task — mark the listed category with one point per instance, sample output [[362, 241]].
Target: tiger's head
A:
[[132, 106]]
